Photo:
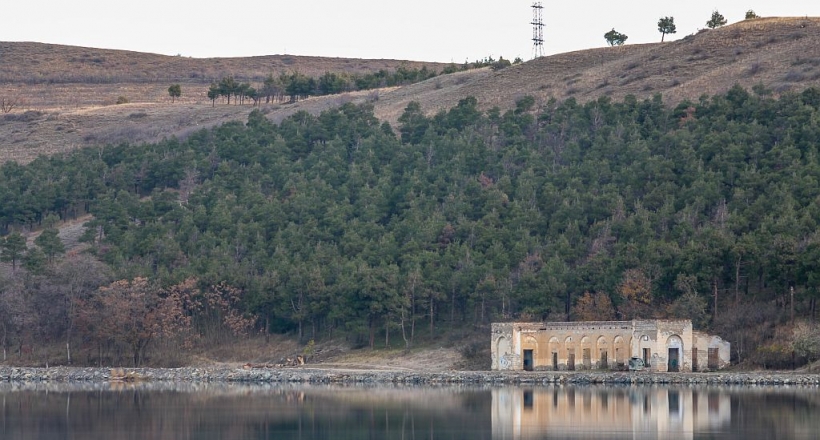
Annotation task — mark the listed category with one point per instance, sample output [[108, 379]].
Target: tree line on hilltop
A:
[[666, 25], [294, 86], [339, 225]]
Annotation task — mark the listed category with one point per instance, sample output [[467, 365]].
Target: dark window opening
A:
[[674, 361], [527, 399], [528, 362], [674, 402], [694, 359], [712, 361]]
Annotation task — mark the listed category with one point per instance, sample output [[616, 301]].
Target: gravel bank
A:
[[325, 376]]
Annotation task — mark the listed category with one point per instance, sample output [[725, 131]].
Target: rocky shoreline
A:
[[313, 375]]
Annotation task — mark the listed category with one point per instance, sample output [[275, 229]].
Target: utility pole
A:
[[537, 30]]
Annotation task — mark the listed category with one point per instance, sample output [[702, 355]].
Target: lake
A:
[[225, 411]]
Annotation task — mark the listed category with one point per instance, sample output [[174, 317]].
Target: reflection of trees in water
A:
[[244, 412], [772, 412]]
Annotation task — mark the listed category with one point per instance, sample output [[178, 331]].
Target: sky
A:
[[422, 30]]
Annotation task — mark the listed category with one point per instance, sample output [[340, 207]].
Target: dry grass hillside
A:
[[780, 53], [36, 63], [67, 94]]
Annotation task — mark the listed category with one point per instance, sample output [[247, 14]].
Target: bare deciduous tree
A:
[[7, 104], [78, 278]]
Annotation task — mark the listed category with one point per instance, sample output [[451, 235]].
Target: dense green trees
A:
[[296, 85], [332, 224]]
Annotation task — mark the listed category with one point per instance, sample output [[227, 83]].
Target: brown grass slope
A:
[[65, 95], [782, 54], [33, 63]]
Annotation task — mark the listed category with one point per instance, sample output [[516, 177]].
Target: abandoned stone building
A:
[[663, 345]]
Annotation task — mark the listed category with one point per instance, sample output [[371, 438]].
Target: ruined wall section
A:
[[674, 335], [503, 348], [713, 352], [588, 345]]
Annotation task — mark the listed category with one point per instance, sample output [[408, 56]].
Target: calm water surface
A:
[[156, 411]]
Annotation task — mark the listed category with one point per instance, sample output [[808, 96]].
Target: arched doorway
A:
[[554, 347], [645, 345], [674, 359], [602, 349], [621, 351], [502, 350], [529, 347], [586, 351], [570, 347]]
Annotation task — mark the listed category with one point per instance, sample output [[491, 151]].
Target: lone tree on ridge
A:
[[615, 38], [716, 21], [666, 25]]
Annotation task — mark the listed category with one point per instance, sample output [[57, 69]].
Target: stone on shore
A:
[[317, 375]]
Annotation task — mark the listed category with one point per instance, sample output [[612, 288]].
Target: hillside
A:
[[336, 226], [72, 90], [37, 63], [65, 95], [782, 54]]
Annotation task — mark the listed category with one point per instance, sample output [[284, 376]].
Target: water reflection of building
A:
[[664, 345], [607, 413]]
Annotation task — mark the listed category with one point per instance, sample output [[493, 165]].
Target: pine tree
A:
[[50, 243], [666, 25], [615, 38], [13, 247], [175, 91], [716, 21]]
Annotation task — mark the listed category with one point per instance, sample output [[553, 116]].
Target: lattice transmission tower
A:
[[537, 30]]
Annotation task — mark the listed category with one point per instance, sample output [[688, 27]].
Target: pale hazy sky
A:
[[442, 30]]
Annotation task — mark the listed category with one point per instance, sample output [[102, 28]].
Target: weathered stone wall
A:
[[503, 357], [659, 336], [705, 344], [19, 378]]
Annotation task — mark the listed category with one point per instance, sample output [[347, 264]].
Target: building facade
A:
[[663, 344]]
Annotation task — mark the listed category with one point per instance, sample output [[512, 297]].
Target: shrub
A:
[[27, 116], [122, 100], [754, 69], [476, 356], [500, 64], [774, 355], [794, 76]]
